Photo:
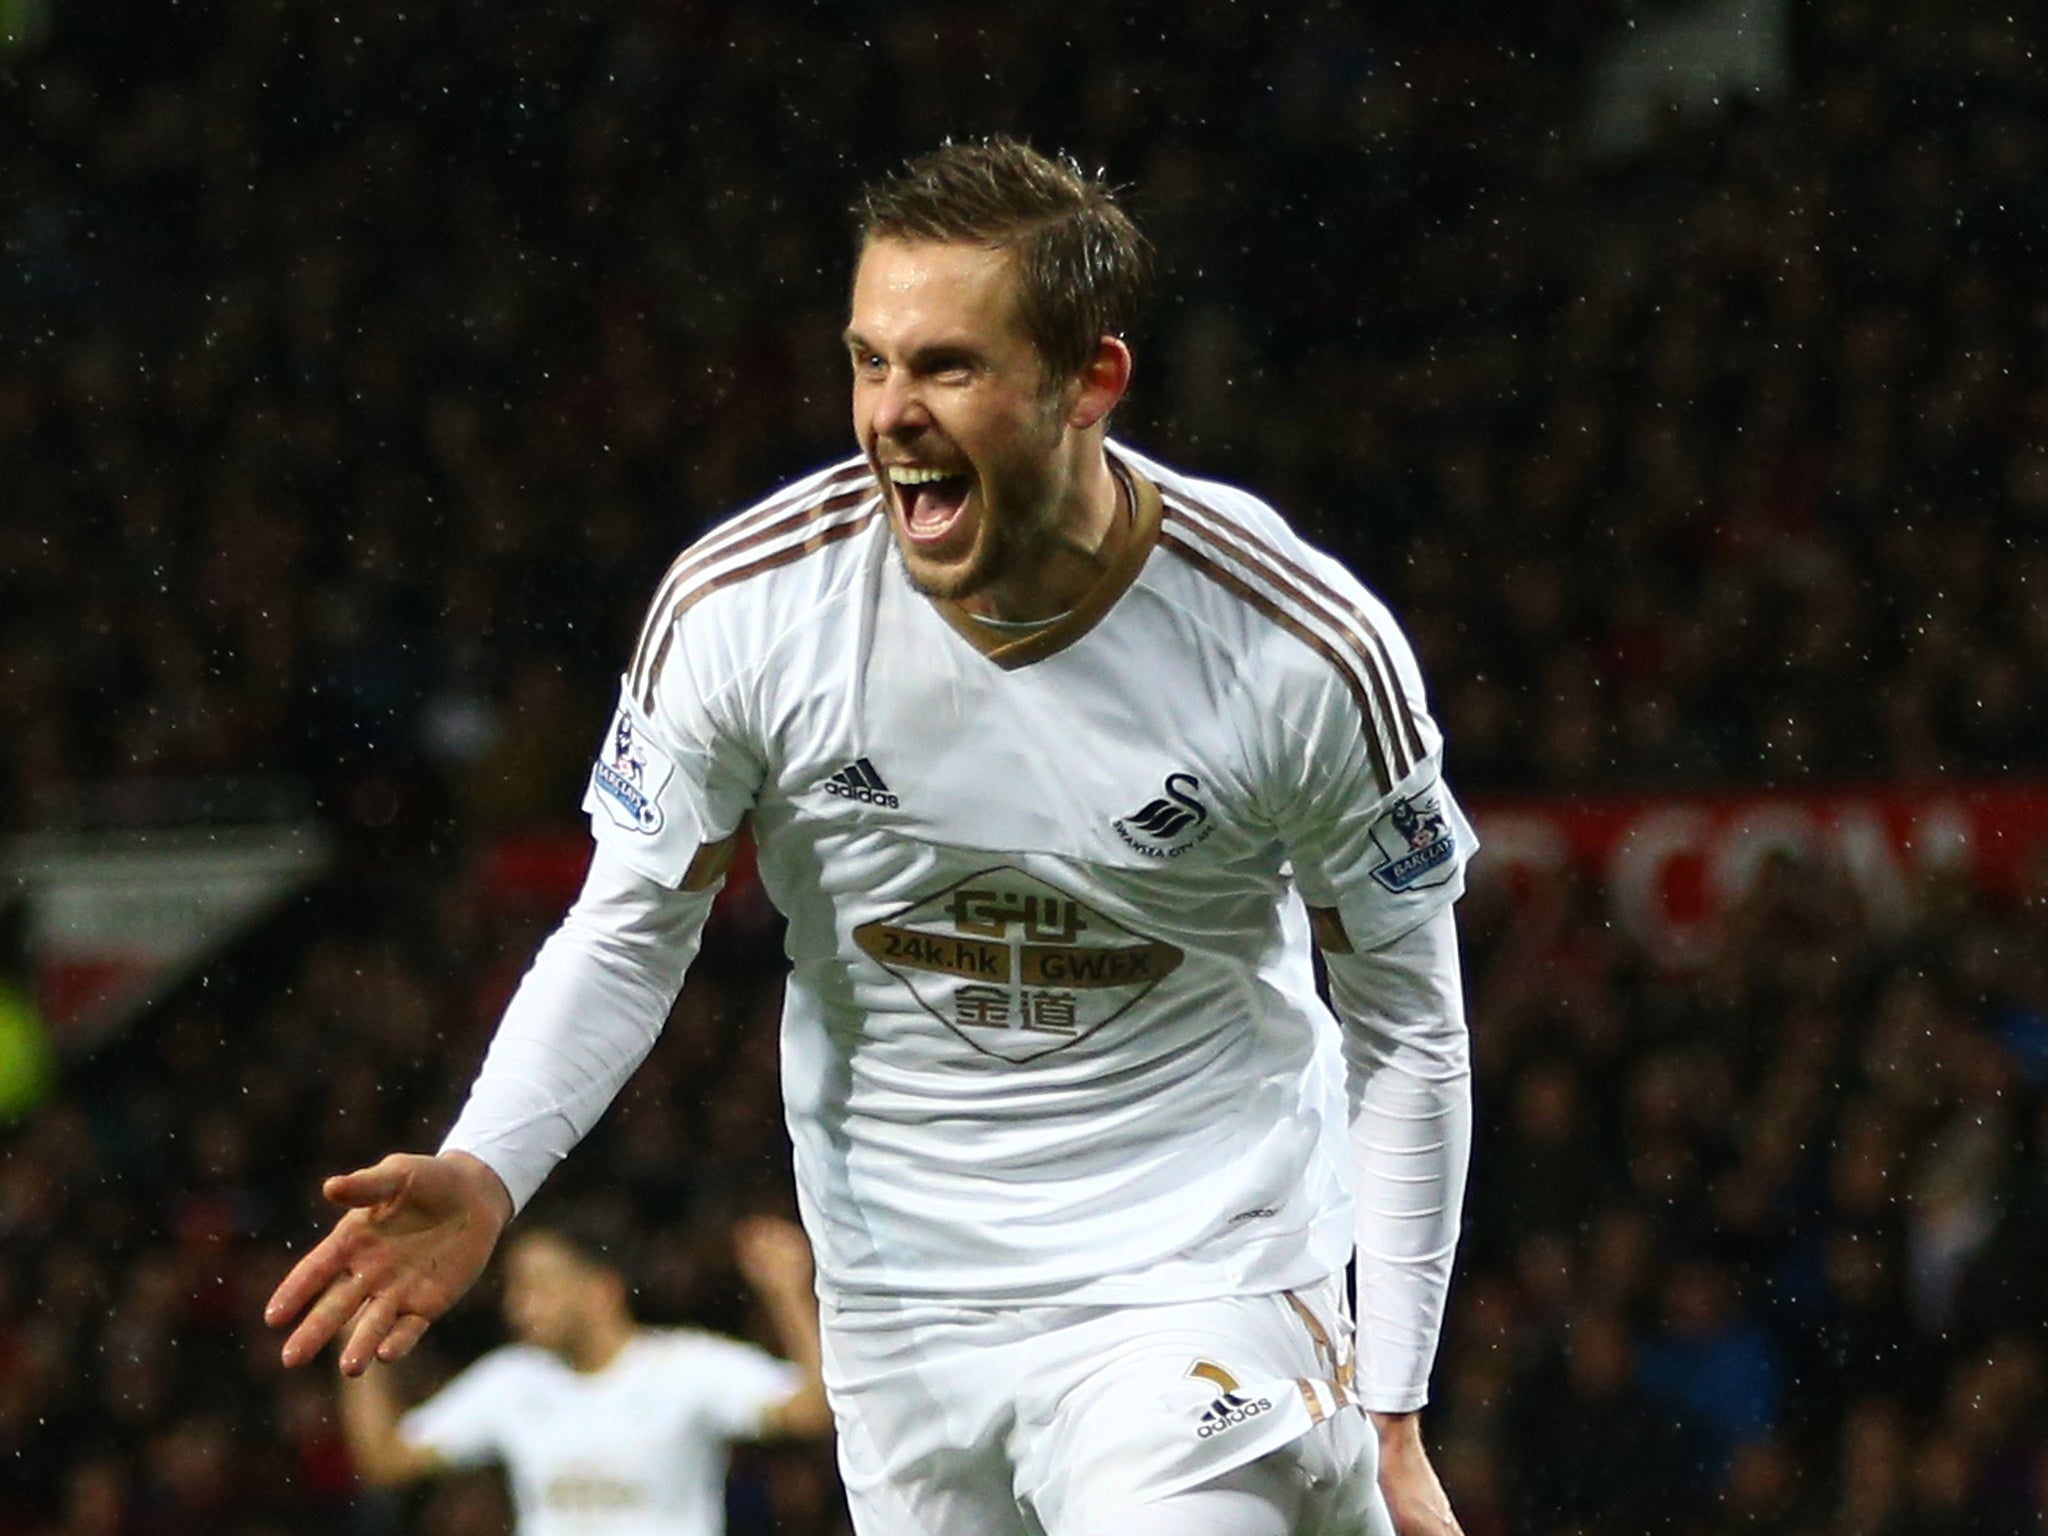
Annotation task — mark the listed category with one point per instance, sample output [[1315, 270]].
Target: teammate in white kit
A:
[[603, 1427], [1055, 759]]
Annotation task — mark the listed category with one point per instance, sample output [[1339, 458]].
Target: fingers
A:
[[372, 1186], [404, 1333], [370, 1321], [310, 1277], [333, 1257], [415, 1235], [336, 1305], [373, 1323]]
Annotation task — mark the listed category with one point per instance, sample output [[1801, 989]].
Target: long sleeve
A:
[[1409, 1067], [584, 1017]]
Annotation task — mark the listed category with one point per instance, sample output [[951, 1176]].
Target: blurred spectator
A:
[[1595, 1453], [1710, 1370]]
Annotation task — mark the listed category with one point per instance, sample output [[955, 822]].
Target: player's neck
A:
[[599, 1341], [1087, 534]]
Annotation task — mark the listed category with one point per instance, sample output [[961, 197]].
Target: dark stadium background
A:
[[361, 367]]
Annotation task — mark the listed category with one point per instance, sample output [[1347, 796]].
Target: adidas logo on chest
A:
[[859, 781]]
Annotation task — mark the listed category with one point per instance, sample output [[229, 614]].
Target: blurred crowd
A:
[[1759, 1249], [360, 368], [1763, 1250], [145, 1216]]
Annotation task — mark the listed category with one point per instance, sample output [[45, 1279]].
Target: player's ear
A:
[[1101, 383]]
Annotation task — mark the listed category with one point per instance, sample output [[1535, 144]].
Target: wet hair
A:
[[1084, 269]]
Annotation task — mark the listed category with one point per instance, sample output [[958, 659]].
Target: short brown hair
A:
[[601, 1233], [1084, 268]]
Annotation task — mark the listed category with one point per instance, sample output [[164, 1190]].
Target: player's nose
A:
[[896, 409]]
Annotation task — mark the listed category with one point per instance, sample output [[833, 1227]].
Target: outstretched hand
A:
[[416, 1234]]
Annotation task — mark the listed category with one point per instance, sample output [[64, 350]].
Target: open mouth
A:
[[932, 500]]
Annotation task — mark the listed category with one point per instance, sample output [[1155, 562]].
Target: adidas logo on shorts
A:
[[1229, 1411], [859, 781]]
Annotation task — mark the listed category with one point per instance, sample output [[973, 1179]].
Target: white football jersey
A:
[[1051, 1030], [636, 1449]]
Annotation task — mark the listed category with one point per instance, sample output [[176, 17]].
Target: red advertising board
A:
[[1671, 865], [1668, 865]]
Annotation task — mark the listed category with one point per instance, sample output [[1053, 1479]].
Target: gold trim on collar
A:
[[1012, 651]]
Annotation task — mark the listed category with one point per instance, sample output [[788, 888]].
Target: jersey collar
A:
[[1012, 651]]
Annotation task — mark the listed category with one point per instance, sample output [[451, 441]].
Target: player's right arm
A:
[[417, 1231], [384, 1458], [667, 798]]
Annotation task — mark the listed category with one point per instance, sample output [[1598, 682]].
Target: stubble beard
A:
[[1009, 540], [1006, 545]]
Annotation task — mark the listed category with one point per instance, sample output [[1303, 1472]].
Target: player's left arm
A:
[[1409, 1068], [1379, 847], [776, 1260]]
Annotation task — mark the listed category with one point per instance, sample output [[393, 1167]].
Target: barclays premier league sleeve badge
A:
[[1418, 846], [630, 775]]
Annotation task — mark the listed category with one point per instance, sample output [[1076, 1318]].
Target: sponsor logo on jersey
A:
[[1016, 967], [1154, 827], [1229, 1411], [859, 781], [630, 776], [591, 1493], [1418, 843]]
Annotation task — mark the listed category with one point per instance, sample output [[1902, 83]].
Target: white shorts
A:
[[1043, 1421]]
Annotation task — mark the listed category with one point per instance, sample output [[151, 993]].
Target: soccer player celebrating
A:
[[606, 1428], [1058, 761]]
